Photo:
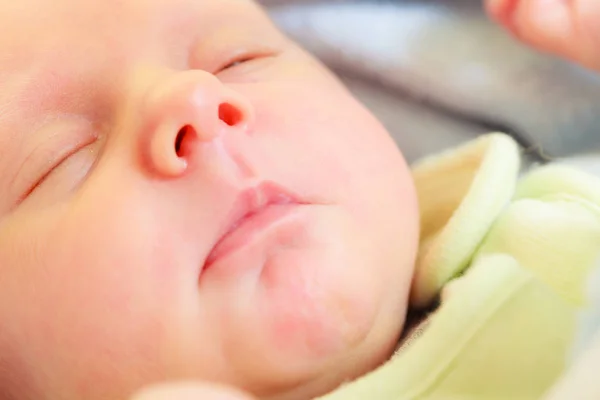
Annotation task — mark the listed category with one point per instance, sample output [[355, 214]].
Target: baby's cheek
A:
[[311, 313], [67, 304], [112, 292]]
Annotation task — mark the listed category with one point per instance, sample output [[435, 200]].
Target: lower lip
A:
[[246, 231]]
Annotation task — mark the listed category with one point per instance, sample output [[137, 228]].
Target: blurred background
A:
[[438, 73]]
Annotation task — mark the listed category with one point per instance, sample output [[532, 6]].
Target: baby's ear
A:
[[190, 391], [569, 29]]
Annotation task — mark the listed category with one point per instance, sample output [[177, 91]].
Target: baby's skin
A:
[[186, 195]]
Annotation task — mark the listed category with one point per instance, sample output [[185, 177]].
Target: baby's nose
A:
[[186, 110]]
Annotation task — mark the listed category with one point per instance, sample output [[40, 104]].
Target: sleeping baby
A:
[[188, 196]]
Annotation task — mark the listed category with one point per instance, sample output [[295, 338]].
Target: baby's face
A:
[[187, 194]]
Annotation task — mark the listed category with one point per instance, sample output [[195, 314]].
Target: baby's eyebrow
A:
[[12, 96], [28, 100], [25, 92], [20, 99], [51, 86], [10, 140], [17, 104], [42, 87]]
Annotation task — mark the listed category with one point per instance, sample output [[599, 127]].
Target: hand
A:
[[190, 391], [566, 28]]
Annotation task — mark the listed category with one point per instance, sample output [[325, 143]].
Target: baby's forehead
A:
[[52, 37], [46, 40], [49, 23], [50, 44]]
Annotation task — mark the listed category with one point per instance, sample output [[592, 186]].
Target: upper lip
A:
[[251, 201], [255, 198]]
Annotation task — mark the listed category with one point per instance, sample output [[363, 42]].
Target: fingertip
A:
[[501, 10], [544, 24]]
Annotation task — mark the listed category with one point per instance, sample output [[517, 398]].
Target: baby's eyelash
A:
[[236, 62], [242, 57], [35, 184], [50, 167]]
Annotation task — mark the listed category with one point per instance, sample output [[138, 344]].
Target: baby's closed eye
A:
[[54, 160], [240, 60]]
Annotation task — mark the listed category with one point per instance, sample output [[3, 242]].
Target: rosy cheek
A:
[[298, 321], [310, 312]]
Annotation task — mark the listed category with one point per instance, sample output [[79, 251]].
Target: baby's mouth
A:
[[255, 209]]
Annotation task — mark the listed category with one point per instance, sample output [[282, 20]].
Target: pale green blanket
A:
[[509, 255]]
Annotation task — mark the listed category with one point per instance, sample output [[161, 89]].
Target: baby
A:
[[186, 194], [189, 196]]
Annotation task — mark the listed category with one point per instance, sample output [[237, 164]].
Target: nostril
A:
[[230, 114], [182, 137]]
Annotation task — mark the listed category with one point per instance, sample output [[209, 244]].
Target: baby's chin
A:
[[322, 311]]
